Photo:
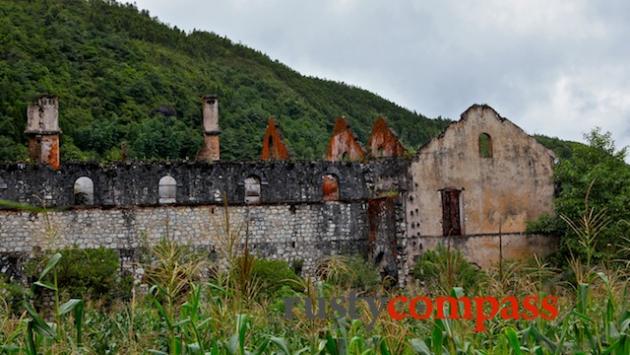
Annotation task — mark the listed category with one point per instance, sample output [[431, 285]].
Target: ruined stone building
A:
[[474, 186]]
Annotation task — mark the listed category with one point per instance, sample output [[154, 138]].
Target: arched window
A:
[[330, 187], [167, 189], [485, 145], [84, 191], [252, 189]]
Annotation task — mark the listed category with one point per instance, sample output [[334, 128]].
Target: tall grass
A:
[[211, 318], [232, 313]]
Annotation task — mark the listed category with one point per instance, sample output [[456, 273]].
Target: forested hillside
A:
[[124, 78]]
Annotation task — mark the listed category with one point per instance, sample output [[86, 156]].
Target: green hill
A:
[[125, 78]]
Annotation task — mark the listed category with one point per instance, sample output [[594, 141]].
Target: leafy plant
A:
[[443, 269], [87, 273]]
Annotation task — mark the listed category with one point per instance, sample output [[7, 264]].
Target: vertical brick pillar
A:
[[43, 131], [211, 150]]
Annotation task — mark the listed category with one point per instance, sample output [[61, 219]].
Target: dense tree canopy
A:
[[124, 78], [593, 193]]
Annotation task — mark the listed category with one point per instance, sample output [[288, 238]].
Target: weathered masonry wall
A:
[[483, 176], [287, 219], [498, 193], [137, 184], [305, 232], [486, 250]]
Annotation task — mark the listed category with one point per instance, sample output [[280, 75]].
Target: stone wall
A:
[[305, 232], [136, 183], [289, 221]]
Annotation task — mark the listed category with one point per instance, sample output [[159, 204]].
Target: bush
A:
[[87, 273], [441, 269], [274, 274], [546, 224], [595, 180], [11, 296]]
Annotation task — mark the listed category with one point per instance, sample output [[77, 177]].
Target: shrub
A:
[[87, 273], [442, 269], [274, 274], [546, 224], [595, 180]]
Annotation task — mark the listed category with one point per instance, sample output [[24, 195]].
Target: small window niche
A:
[[167, 190], [330, 187], [83, 191], [252, 190], [485, 145]]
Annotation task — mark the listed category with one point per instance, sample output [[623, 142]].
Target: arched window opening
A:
[[167, 189], [252, 189], [485, 145], [330, 188], [84, 191]]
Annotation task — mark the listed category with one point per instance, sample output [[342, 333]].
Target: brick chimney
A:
[[211, 150], [43, 131]]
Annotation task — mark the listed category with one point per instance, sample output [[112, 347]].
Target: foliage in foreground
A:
[[215, 317]]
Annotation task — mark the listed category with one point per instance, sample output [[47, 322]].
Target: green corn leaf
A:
[[385, 348], [162, 312], [45, 285], [262, 347], [419, 346], [78, 321], [52, 262], [437, 337], [512, 337], [38, 323], [541, 338], [242, 325], [321, 347], [282, 344], [331, 344], [356, 344], [582, 298], [30, 339], [68, 306]]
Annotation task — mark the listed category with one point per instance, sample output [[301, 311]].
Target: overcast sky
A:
[[553, 67]]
